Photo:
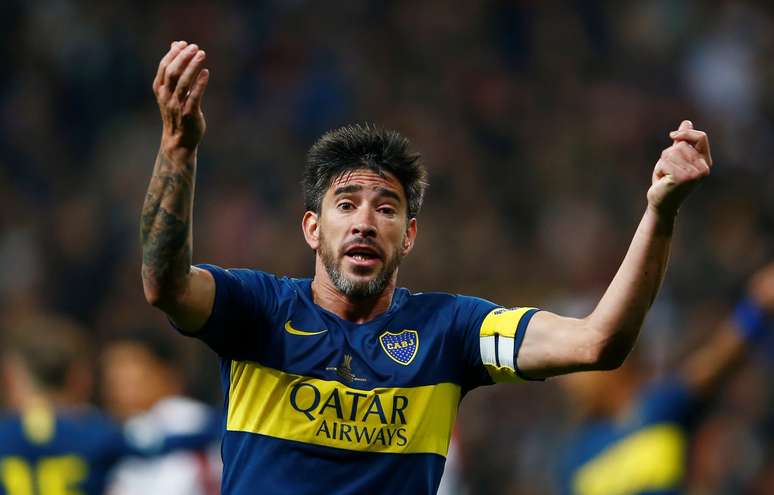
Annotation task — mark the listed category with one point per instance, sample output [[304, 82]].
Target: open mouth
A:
[[362, 253]]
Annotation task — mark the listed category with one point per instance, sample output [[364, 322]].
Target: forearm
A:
[[553, 344], [705, 369], [620, 313], [165, 226]]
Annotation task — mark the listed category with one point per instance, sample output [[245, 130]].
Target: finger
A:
[[690, 136], [667, 180], [194, 100], [176, 47], [697, 139], [686, 156], [683, 170], [189, 75], [176, 67], [662, 175], [673, 165], [687, 153], [703, 167], [673, 157], [685, 125]]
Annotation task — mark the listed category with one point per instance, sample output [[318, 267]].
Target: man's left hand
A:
[[680, 169]]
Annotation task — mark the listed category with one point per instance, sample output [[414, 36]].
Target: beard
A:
[[357, 289]]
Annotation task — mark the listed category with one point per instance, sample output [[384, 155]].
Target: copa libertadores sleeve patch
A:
[[501, 334]]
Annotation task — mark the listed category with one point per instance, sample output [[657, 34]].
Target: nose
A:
[[364, 224], [364, 230]]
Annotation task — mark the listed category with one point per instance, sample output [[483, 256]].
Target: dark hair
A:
[[49, 346], [156, 342], [358, 146]]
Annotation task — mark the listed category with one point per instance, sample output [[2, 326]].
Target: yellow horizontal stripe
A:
[[282, 405], [650, 460]]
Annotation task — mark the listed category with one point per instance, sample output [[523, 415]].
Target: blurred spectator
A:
[[142, 386], [635, 434], [52, 441]]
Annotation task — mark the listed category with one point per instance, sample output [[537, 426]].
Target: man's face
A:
[[596, 393], [133, 379], [362, 232]]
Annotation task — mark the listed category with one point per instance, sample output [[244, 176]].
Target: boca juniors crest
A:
[[402, 347]]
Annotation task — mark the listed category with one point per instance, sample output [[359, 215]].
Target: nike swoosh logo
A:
[[289, 329]]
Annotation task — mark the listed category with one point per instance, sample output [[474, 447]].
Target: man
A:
[[635, 436], [143, 386], [51, 443], [345, 383]]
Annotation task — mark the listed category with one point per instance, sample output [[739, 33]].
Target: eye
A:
[[387, 210], [345, 206]]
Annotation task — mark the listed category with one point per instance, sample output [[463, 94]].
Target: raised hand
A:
[[170, 283], [179, 86], [680, 169]]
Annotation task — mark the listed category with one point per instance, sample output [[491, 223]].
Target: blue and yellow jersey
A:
[[70, 452], [645, 453], [43, 453], [318, 404]]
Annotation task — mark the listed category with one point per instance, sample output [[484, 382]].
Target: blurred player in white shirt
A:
[[142, 386]]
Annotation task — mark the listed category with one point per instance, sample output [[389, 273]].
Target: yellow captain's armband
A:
[[501, 334]]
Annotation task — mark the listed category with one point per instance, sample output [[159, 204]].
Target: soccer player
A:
[[345, 383], [51, 443], [142, 385], [636, 435]]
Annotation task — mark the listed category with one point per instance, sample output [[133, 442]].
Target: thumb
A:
[[666, 180]]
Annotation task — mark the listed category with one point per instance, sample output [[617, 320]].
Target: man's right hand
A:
[[170, 283], [179, 86]]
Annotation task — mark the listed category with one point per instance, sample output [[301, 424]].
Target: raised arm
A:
[[554, 344], [185, 293], [706, 368]]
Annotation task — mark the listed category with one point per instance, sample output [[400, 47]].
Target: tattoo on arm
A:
[[165, 225]]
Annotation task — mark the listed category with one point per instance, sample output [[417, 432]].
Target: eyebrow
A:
[[347, 189], [352, 188]]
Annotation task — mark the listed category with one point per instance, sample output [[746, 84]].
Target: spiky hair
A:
[[355, 147]]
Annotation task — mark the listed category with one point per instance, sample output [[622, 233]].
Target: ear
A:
[[310, 224], [410, 237]]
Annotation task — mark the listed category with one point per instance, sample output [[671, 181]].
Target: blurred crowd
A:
[[539, 122]]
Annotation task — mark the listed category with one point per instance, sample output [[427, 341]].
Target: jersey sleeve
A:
[[144, 439], [492, 336], [669, 399], [244, 301]]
